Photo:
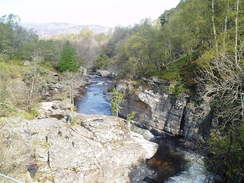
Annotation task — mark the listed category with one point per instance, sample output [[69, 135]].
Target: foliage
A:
[[21, 44], [101, 62], [73, 122], [221, 78], [68, 60], [197, 46], [21, 87], [176, 88], [227, 155], [131, 116], [87, 44], [50, 50], [119, 35], [117, 98], [176, 46], [15, 41]]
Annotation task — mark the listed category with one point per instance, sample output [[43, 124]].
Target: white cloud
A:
[[101, 12]]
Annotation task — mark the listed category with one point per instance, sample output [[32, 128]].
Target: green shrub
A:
[[68, 60], [227, 155], [102, 62], [176, 88], [131, 116], [116, 100]]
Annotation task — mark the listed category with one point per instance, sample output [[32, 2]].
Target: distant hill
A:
[[47, 30]]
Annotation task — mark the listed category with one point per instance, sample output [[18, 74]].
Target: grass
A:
[[173, 70], [177, 88], [174, 75], [7, 111], [11, 69], [48, 65]]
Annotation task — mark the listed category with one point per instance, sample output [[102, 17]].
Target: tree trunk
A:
[[214, 27], [226, 27], [236, 37]]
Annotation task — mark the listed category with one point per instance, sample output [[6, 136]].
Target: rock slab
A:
[[97, 149]]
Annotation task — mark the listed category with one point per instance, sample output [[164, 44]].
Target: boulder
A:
[[144, 132], [104, 73], [97, 149], [83, 70], [26, 62], [54, 108]]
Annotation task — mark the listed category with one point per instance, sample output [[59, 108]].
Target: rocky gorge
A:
[[162, 112], [61, 145]]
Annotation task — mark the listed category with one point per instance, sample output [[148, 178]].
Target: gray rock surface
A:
[[144, 132], [83, 70], [103, 73], [97, 149], [106, 73], [197, 120], [55, 109], [162, 112]]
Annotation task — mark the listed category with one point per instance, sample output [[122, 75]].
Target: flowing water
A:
[[195, 172], [96, 102]]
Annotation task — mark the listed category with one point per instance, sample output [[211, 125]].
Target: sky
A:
[[83, 12]]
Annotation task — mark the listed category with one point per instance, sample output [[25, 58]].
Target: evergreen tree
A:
[[68, 60]]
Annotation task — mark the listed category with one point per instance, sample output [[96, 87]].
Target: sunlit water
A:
[[95, 100]]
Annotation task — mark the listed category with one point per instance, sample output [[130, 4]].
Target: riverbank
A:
[[23, 87], [185, 117], [170, 160], [56, 133], [61, 145]]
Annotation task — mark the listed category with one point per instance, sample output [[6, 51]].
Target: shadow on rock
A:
[[166, 163]]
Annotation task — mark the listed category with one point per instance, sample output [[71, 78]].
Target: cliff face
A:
[[163, 112]]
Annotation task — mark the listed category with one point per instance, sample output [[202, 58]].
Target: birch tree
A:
[[214, 26]]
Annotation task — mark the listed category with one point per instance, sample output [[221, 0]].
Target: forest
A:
[[198, 47]]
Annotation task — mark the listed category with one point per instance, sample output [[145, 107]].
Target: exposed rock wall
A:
[[197, 119], [163, 112]]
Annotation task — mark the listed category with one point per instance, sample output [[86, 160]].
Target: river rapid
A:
[[96, 101]]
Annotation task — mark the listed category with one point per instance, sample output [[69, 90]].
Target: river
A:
[[96, 101], [195, 171]]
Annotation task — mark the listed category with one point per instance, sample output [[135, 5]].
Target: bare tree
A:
[[33, 76], [222, 81]]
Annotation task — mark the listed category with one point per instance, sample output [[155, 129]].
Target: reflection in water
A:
[[95, 101], [166, 162]]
